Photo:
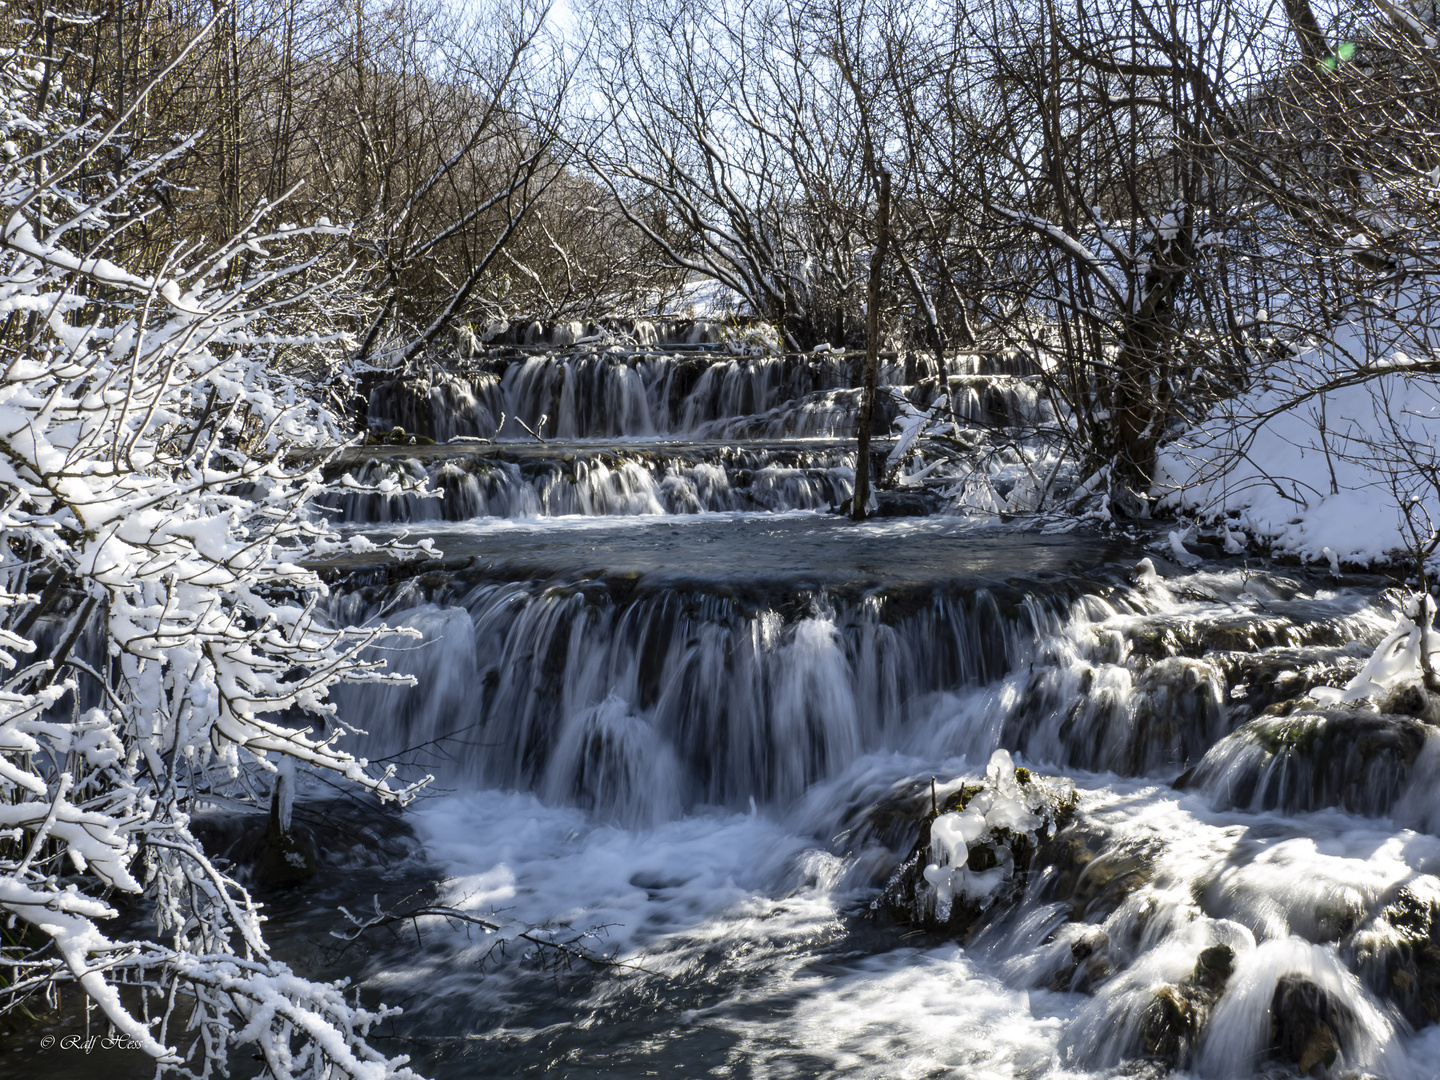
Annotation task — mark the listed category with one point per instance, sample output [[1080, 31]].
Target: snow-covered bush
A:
[[155, 471], [1328, 447]]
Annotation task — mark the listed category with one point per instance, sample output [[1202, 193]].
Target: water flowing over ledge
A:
[[716, 733], [667, 694]]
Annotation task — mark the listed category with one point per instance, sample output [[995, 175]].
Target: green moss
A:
[[1284, 733], [982, 857], [957, 800]]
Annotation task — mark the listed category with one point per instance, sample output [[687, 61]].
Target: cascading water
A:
[[754, 704], [723, 737], [552, 480], [588, 393]]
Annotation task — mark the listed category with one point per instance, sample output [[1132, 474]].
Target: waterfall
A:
[[672, 703], [751, 703], [591, 394], [760, 701], [533, 481]]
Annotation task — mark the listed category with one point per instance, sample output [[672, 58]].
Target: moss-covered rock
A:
[[975, 850], [1349, 758], [1275, 681]]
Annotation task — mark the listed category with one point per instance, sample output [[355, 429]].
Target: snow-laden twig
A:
[[156, 475]]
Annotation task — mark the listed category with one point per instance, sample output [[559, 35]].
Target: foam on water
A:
[[747, 932], [903, 1014], [715, 739]]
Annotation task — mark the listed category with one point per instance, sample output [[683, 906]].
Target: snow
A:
[[1002, 804], [1333, 449], [1177, 549], [181, 560], [1402, 657]]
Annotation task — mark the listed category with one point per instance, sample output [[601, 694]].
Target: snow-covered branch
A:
[[156, 473]]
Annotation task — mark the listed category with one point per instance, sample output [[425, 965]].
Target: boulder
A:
[[1399, 951], [910, 502], [1175, 1019], [974, 853], [1349, 758], [1309, 1026]]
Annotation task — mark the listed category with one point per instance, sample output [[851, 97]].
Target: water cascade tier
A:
[[595, 392], [554, 479]]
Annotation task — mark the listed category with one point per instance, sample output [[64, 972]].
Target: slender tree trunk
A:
[[1307, 31], [872, 351], [120, 56], [362, 181], [232, 163]]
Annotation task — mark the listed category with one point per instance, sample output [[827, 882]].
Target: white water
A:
[[758, 912], [592, 394], [591, 482], [709, 733], [588, 800]]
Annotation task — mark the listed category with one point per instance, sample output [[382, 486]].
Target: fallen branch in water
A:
[[535, 431], [566, 943]]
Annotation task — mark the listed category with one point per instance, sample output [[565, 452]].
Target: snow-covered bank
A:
[[1335, 448]]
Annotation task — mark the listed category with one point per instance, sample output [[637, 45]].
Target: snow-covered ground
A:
[[1333, 448]]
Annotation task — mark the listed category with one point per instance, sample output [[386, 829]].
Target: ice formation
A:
[[1404, 656], [1003, 804]]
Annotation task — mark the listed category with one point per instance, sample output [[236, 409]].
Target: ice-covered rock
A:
[[1407, 656], [974, 852]]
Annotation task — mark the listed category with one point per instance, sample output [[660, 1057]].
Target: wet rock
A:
[[894, 819], [1213, 967], [1090, 965], [889, 504], [975, 851], [287, 858], [1352, 759], [1169, 1026], [1412, 699], [337, 836], [1309, 1026], [1162, 636], [278, 858], [1175, 1019], [1095, 875], [1179, 712], [1107, 715], [1274, 681], [1399, 952]]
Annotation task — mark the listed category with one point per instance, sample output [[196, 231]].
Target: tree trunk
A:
[[1307, 31], [872, 351], [1140, 400]]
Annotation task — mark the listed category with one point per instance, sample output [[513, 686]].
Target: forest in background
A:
[[1156, 201]]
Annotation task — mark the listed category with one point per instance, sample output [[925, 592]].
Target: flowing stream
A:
[[669, 698]]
